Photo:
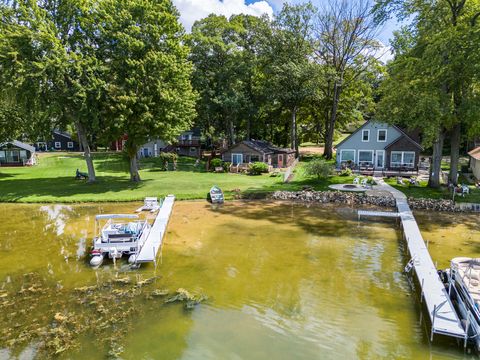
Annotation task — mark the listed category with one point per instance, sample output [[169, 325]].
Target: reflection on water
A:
[[284, 281]]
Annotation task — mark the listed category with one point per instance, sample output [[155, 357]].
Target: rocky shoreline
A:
[[350, 198]]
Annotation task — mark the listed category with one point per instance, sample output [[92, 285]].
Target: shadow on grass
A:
[[60, 187], [3, 175]]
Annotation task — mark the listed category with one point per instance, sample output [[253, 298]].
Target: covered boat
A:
[[215, 196], [122, 234], [149, 204], [462, 281]]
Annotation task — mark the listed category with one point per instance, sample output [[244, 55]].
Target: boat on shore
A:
[[215, 196], [149, 204], [462, 282], [122, 234]]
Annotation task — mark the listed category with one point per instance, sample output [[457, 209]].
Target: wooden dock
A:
[[387, 214], [153, 243], [443, 317]]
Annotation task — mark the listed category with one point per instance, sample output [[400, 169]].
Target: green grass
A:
[[52, 180], [423, 191]]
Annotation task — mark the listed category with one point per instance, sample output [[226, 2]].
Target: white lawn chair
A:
[[364, 182], [465, 190], [356, 180]]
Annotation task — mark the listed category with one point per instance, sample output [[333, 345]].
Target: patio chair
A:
[[364, 182], [356, 181], [465, 190]]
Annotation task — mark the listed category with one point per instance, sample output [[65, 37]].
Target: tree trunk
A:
[[454, 153], [330, 125], [436, 164], [134, 174], [82, 137], [232, 132], [294, 140]]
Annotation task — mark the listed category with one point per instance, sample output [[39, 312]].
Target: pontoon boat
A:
[[122, 234]]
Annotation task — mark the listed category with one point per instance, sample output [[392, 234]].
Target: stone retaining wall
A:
[[351, 198]]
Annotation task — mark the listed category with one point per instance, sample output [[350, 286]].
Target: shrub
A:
[[371, 181], [226, 166], [166, 157], [319, 168], [346, 172], [215, 162], [257, 168]]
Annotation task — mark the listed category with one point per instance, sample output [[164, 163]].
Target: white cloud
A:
[[192, 10], [384, 53]]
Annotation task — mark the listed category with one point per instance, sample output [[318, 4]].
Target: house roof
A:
[[394, 126], [62, 133], [405, 136], [19, 144], [263, 147], [475, 153]]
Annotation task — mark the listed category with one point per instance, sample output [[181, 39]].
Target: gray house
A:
[[379, 146]]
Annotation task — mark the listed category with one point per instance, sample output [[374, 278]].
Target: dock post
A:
[[433, 322]]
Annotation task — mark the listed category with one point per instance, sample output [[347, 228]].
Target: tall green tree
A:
[[49, 66], [346, 44], [148, 89], [433, 82], [292, 78]]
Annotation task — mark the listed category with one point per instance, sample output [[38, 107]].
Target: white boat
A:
[[149, 204], [122, 234], [215, 196], [462, 281]]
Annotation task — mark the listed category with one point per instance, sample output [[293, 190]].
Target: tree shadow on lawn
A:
[[62, 187], [4, 175]]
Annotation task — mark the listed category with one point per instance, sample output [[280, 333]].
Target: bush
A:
[[258, 168], [346, 172], [166, 157], [215, 162], [226, 166], [319, 168], [370, 181]]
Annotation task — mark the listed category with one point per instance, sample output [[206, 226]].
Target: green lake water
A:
[[283, 281]]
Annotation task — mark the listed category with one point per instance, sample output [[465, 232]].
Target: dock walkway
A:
[[443, 317], [152, 245]]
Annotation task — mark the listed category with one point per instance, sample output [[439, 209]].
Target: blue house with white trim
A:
[[379, 146]]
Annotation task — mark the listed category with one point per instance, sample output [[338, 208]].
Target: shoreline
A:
[[303, 196]]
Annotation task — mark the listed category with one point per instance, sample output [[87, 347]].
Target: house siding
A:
[[245, 150], [4, 161], [354, 142], [151, 149], [475, 167], [402, 144]]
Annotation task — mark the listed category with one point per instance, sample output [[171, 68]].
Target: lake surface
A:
[[283, 281]]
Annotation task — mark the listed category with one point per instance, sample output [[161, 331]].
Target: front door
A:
[[380, 159], [280, 160]]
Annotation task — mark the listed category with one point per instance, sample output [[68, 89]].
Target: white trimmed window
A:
[[365, 157], [347, 155], [402, 159], [382, 135], [237, 159], [70, 144], [58, 145], [365, 135]]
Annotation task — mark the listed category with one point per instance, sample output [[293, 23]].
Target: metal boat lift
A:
[[443, 317], [154, 241]]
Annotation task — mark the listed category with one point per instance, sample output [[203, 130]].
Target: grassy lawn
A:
[[422, 191], [52, 180]]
